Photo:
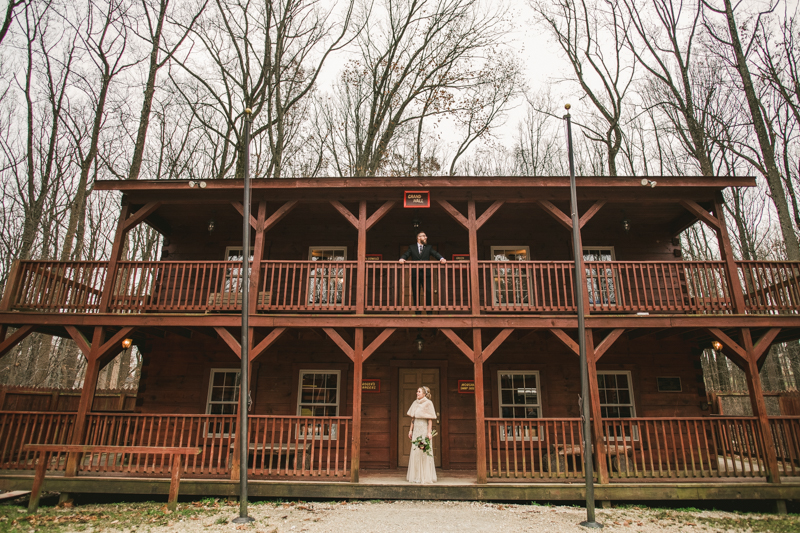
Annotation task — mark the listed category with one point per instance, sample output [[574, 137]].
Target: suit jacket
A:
[[413, 253]]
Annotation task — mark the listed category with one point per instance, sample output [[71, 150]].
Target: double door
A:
[[410, 379]]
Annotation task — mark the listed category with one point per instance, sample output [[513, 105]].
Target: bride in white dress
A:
[[421, 468]]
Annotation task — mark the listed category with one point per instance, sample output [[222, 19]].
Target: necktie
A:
[[420, 248]]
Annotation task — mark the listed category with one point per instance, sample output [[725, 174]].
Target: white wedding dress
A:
[[421, 468]]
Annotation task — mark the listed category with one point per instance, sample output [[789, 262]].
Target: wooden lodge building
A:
[[340, 340]]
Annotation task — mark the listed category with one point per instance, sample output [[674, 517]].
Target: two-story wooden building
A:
[[339, 341]]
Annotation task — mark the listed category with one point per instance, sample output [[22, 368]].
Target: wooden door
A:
[[410, 379]]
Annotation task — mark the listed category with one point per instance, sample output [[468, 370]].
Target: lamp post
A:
[[579, 288], [244, 386]]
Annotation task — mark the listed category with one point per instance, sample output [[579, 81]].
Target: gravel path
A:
[[463, 517]]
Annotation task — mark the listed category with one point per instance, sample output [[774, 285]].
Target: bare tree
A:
[[732, 44], [592, 34], [265, 56], [155, 15], [12, 6], [416, 60]]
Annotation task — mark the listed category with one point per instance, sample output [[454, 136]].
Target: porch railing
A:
[[638, 448], [280, 446], [786, 435], [307, 286], [770, 286], [297, 446], [18, 428], [514, 286], [535, 448], [659, 286], [319, 286], [213, 433], [60, 286], [417, 286]]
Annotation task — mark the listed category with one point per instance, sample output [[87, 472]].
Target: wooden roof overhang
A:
[[659, 204]]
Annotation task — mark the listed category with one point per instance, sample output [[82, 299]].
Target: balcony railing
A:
[[641, 448], [280, 446], [417, 286], [688, 287]]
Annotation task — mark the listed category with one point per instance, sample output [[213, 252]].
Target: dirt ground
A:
[[399, 516]]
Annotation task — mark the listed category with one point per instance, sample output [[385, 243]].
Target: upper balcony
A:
[[503, 287], [330, 247]]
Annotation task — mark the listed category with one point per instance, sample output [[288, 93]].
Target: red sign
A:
[[370, 385], [466, 386], [416, 199]]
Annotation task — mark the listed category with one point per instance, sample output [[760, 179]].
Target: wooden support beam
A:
[[726, 253], [610, 339], [112, 346], [379, 340], [759, 406], [358, 374], [472, 231], [80, 340], [145, 211], [761, 348], [453, 212], [489, 213], [361, 258], [15, 338], [566, 339], [601, 465], [735, 353], [229, 339], [495, 344], [262, 346], [340, 342], [278, 215], [480, 429], [587, 216], [695, 209], [345, 212], [379, 214], [461, 345], [240, 208], [556, 213]]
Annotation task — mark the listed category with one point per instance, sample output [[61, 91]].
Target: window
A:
[[616, 394], [233, 273], [326, 284], [519, 399], [510, 281], [600, 282], [223, 399], [318, 396]]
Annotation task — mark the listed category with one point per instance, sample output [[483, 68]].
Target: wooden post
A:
[[258, 256], [361, 257], [87, 398], [12, 285], [116, 253], [480, 430], [38, 481], [601, 465], [358, 364], [726, 251], [175, 483], [759, 407], [472, 228]]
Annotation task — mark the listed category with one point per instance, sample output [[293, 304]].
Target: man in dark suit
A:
[[421, 251]]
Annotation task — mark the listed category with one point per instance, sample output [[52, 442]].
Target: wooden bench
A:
[[43, 449], [617, 452]]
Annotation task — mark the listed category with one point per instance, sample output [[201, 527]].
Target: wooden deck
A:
[[391, 485]]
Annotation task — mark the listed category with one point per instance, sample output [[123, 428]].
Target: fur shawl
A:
[[422, 409]]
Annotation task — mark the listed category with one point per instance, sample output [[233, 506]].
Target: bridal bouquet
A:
[[424, 443]]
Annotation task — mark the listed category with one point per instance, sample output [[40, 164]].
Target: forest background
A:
[[156, 89]]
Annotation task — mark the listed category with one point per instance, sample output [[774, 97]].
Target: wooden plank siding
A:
[[176, 374]]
